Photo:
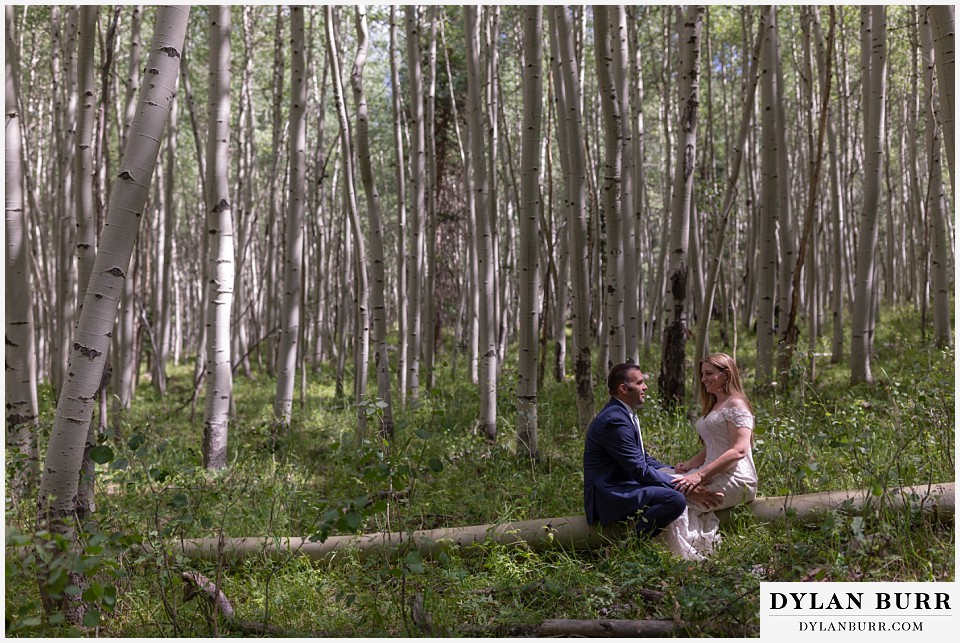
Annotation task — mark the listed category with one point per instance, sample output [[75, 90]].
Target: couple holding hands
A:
[[621, 480]]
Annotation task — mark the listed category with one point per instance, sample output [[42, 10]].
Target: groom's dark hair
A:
[[618, 375]]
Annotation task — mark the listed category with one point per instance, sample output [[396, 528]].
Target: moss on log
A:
[[570, 532]]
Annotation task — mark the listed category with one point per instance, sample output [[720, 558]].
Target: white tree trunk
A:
[[568, 101], [631, 276], [936, 203], [485, 262], [672, 378], [401, 187], [767, 236], [20, 352], [942, 18], [415, 223], [377, 292], [874, 39], [66, 108], [612, 184], [58, 486], [220, 260], [529, 234], [290, 316], [361, 323]]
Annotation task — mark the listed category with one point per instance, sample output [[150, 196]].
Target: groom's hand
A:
[[705, 497]]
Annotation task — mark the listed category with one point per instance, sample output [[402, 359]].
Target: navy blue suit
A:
[[620, 478]]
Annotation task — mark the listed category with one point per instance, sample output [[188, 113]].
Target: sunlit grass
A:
[[812, 436]]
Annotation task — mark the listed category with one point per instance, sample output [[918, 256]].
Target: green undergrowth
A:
[[316, 479]]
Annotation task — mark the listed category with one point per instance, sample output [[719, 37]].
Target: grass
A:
[[316, 479]]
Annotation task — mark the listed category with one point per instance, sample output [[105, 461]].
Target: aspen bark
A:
[[612, 185], [65, 100], [873, 38], [619, 28], [220, 259], [417, 211], [84, 156], [291, 313], [377, 291], [429, 322], [672, 379], [361, 293], [401, 187], [769, 209], [942, 18], [936, 203], [20, 352], [58, 486], [527, 442], [568, 97], [485, 261]]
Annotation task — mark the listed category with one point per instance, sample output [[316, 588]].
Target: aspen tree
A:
[[20, 352], [942, 18], [672, 382], [631, 276], [429, 322], [612, 198], [936, 203], [377, 291], [769, 208], [836, 219], [487, 309], [527, 443], [418, 209], [874, 81], [290, 316], [361, 309], [401, 188], [568, 101], [65, 100], [59, 481], [220, 258]]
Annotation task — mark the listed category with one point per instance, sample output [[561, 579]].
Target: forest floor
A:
[[316, 480]]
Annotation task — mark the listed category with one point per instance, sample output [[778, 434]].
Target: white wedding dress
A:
[[696, 532]]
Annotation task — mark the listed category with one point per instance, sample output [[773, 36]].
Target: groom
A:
[[619, 478]]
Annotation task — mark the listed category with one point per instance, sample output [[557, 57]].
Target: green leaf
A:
[[33, 621], [119, 465], [101, 454], [435, 465], [350, 521], [93, 593], [414, 562], [423, 434], [877, 489], [91, 618], [72, 590], [179, 500]]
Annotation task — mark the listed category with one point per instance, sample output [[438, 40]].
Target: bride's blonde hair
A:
[[732, 386]]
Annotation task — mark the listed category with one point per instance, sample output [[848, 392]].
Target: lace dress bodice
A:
[[696, 533], [740, 483]]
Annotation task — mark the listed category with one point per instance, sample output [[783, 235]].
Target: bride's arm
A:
[[692, 463], [740, 445]]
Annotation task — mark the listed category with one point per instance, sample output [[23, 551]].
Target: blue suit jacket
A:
[[618, 475]]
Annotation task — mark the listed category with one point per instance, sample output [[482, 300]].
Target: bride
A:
[[724, 464]]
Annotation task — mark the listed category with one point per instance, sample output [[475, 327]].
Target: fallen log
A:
[[934, 498], [606, 628], [571, 532]]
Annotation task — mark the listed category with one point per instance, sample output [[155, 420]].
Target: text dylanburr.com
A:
[[846, 611]]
